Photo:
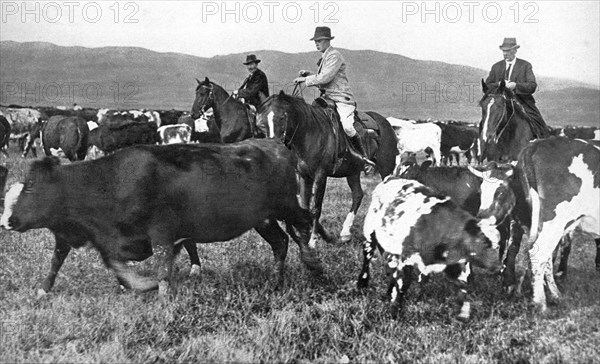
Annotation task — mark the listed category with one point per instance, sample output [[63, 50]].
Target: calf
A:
[[456, 140], [178, 133], [69, 134], [145, 200], [417, 137], [419, 228]]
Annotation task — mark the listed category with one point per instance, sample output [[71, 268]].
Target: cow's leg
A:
[[357, 196], [192, 251], [540, 255], [402, 278], [61, 250], [465, 305], [28, 143], [368, 251], [277, 238], [164, 251], [508, 275], [598, 254], [300, 220], [565, 247], [550, 282]]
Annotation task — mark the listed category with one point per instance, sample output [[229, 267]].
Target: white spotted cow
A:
[[173, 134], [413, 138], [417, 227], [560, 178]]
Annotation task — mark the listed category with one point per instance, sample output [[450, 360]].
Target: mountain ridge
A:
[[35, 73]]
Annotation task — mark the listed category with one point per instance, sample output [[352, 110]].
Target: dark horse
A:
[[505, 128], [231, 115], [308, 131]]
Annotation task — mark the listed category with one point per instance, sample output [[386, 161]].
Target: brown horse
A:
[[505, 129], [231, 115], [308, 131]]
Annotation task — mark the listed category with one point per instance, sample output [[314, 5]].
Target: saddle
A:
[[364, 124]]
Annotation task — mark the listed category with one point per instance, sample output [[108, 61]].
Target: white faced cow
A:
[[419, 228], [414, 137]]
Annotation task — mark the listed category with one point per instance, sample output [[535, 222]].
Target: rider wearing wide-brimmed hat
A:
[[519, 78], [332, 82], [255, 88]]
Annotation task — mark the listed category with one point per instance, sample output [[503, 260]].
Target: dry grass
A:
[[231, 314]]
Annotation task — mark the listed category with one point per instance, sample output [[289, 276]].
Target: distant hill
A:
[[38, 73]]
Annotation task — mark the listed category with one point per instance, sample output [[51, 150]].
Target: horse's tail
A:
[[385, 157]]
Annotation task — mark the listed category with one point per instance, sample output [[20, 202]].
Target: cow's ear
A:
[[484, 86]]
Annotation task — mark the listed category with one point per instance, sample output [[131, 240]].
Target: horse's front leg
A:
[[357, 196]]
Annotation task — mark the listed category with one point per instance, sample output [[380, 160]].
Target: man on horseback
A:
[[255, 88], [519, 78], [333, 84]]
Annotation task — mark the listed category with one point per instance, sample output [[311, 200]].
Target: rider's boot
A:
[[358, 147]]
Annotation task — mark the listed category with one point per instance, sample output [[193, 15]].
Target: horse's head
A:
[[496, 110], [205, 97], [274, 117]]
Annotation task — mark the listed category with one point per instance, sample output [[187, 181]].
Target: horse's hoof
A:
[[195, 271], [345, 238]]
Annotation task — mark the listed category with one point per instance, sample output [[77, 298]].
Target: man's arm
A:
[[254, 87], [529, 85], [491, 80], [331, 65]]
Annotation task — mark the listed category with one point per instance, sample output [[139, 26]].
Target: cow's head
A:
[[497, 197], [33, 203], [481, 245]]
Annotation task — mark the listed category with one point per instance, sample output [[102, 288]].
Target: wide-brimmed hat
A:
[[509, 43], [322, 33], [251, 58]]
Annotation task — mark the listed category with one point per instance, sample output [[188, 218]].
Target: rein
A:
[[211, 99], [499, 134]]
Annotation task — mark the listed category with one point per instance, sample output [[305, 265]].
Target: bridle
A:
[[210, 100], [497, 134], [289, 142]]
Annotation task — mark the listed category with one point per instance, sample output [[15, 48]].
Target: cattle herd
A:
[[430, 217]]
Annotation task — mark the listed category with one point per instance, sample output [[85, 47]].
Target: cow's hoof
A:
[[362, 283], [465, 312], [41, 293], [345, 238], [195, 271], [540, 307]]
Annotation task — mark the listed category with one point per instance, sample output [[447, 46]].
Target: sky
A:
[[560, 38]]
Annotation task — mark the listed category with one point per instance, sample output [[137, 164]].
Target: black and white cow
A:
[[419, 228], [177, 133], [147, 200], [560, 181], [456, 140]]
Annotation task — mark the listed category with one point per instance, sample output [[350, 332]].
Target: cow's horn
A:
[[476, 172]]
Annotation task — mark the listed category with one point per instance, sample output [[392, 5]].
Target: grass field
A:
[[231, 314]]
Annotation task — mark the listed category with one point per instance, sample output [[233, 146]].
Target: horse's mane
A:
[[302, 110], [510, 95]]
